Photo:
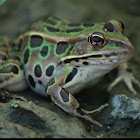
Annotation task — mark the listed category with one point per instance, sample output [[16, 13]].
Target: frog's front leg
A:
[[125, 74], [66, 101]]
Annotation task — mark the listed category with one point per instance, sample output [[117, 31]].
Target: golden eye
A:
[[97, 40]]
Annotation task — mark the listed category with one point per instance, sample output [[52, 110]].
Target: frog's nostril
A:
[[119, 44]]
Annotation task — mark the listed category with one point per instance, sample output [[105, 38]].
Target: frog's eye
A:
[[97, 40]]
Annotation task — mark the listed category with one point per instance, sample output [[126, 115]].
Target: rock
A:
[[33, 121], [125, 107], [11, 130]]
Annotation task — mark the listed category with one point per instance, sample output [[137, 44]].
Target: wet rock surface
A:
[[40, 117], [125, 107], [124, 116]]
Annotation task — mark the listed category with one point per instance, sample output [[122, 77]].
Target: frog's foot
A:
[[5, 95], [127, 77], [98, 110], [68, 103]]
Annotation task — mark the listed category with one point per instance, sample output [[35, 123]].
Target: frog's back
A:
[[61, 28]]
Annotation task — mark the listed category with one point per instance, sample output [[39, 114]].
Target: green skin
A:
[[74, 62]]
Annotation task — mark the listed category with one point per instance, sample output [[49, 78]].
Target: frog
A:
[[58, 59]]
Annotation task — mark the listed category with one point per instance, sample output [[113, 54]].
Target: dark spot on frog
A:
[[73, 59], [37, 71], [50, 21], [77, 66], [44, 51], [74, 30], [71, 75], [76, 59], [73, 24], [86, 57], [26, 56], [118, 44], [88, 25], [40, 82], [31, 81], [109, 26], [85, 63], [51, 29], [61, 47], [36, 40], [50, 83], [49, 70], [9, 68], [65, 95], [59, 63], [14, 70], [110, 54]]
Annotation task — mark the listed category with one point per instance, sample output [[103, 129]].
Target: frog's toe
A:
[[125, 74], [96, 110], [128, 78], [5, 96], [84, 114]]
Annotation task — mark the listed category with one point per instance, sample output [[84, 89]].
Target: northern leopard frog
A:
[[58, 58]]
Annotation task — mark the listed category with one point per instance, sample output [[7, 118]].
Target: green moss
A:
[[14, 103]]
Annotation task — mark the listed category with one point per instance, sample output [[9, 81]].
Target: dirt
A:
[[39, 117]]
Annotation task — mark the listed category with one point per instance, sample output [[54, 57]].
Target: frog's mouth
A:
[[104, 57]]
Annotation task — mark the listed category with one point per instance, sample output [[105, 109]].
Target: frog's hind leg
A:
[[12, 77], [66, 101], [11, 72]]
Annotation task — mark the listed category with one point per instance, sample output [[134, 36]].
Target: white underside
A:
[[88, 76]]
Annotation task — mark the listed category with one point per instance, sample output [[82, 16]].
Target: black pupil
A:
[[96, 39]]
